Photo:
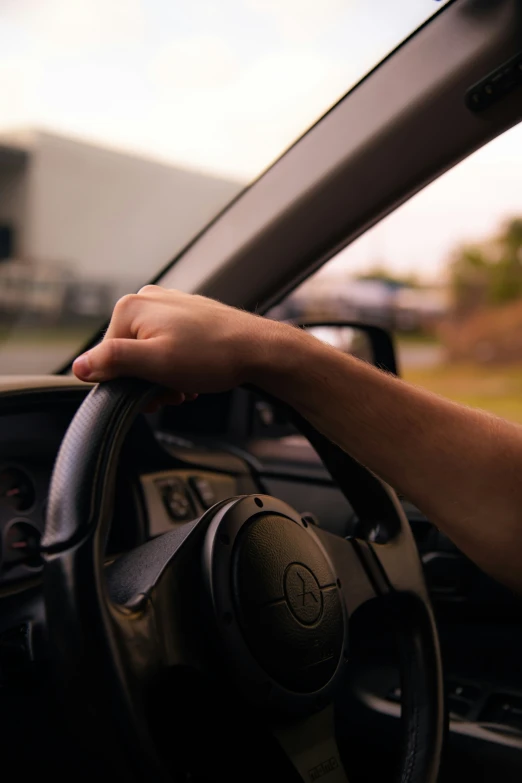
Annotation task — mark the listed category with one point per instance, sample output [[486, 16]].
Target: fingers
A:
[[123, 315], [117, 357], [121, 354], [128, 358], [126, 313], [154, 290]]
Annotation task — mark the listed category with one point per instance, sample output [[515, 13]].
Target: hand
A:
[[179, 341]]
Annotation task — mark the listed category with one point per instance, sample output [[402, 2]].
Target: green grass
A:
[[497, 389]]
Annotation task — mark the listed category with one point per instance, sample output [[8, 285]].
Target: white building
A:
[[88, 212]]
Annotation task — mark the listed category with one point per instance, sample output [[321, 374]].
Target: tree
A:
[[488, 273]]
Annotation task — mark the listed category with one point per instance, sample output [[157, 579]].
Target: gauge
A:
[[16, 489], [21, 545]]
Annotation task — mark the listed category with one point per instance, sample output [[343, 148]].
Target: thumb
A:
[[119, 357]]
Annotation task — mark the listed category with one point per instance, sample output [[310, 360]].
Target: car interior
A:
[[215, 591]]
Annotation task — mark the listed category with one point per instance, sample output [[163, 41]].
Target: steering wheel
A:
[[215, 651]]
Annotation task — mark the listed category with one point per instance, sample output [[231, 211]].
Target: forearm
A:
[[458, 465], [461, 467]]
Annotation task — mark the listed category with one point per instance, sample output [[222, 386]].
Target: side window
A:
[[444, 272]]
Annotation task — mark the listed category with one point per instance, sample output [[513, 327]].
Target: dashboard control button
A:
[[175, 499], [204, 490], [461, 691]]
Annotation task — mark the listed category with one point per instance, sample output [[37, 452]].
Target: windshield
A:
[[126, 125]]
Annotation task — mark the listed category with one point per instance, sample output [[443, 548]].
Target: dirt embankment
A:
[[490, 335]]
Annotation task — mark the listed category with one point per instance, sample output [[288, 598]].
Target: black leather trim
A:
[[85, 467], [422, 715]]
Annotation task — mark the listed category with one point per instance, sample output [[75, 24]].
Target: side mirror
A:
[[372, 344]]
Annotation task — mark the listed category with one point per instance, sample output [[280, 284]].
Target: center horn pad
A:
[[287, 602], [275, 597]]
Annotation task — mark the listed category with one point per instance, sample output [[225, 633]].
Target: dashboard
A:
[[177, 464], [29, 442], [22, 514], [161, 483]]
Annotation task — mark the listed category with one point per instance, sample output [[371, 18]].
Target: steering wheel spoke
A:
[[395, 553], [350, 558], [311, 746], [147, 588]]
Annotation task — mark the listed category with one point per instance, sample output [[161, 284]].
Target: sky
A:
[[467, 204], [226, 86]]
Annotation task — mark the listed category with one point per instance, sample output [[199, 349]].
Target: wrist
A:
[[278, 357]]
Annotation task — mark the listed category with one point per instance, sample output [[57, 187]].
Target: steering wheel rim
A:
[[93, 629]]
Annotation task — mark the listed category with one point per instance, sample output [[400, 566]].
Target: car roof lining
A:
[[397, 130]]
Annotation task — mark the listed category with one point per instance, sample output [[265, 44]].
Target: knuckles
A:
[[125, 303], [129, 301], [149, 289]]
